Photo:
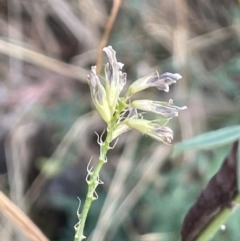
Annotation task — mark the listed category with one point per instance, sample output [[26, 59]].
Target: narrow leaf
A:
[[210, 139]]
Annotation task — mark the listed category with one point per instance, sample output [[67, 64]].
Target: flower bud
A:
[[165, 109], [115, 79], [161, 82], [152, 129], [98, 94]]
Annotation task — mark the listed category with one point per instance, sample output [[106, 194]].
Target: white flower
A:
[[152, 129], [98, 94], [165, 109], [115, 78], [161, 82]]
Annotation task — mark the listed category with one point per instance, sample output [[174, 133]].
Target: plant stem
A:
[[94, 176], [92, 185], [209, 231]]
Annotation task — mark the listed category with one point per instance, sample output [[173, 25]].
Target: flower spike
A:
[[120, 114]]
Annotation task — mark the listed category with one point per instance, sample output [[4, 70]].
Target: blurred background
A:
[[47, 121]]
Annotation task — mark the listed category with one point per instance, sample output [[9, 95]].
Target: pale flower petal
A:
[[98, 94], [161, 82], [165, 109], [152, 129], [114, 77]]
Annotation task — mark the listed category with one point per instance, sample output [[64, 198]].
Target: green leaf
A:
[[210, 139]]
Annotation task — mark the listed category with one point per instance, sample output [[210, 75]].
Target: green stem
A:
[[92, 185], [208, 232], [94, 176]]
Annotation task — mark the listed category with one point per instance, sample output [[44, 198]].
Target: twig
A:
[[36, 58], [111, 20], [20, 219]]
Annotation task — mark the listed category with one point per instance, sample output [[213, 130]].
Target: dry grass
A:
[[20, 219], [56, 42]]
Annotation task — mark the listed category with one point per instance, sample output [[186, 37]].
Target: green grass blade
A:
[[209, 140]]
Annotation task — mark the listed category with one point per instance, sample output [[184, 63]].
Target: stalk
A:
[[122, 118], [92, 185], [209, 231], [94, 181]]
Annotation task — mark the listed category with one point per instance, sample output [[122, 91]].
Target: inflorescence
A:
[[122, 113]]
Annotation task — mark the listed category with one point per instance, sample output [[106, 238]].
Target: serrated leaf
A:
[[210, 139]]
